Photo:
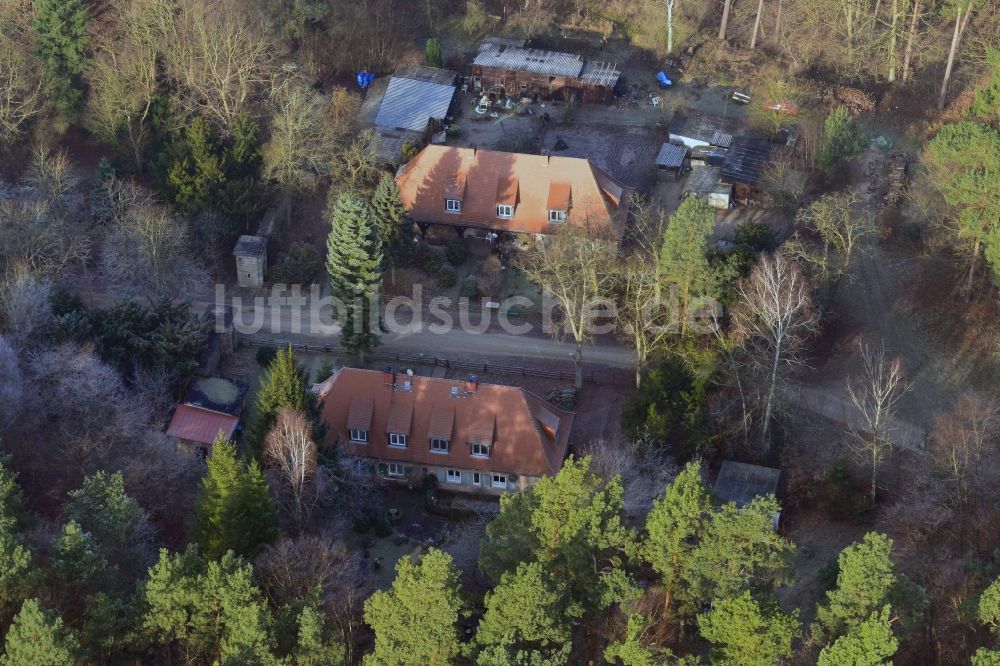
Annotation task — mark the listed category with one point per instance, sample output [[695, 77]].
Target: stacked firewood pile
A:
[[855, 100], [898, 168]]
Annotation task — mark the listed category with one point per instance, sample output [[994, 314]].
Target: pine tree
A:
[[102, 508], [75, 560], [525, 620], [865, 579], [870, 643], [672, 525], [567, 523], [739, 551], [61, 30], [841, 141], [684, 261], [16, 572], [198, 176], [415, 622], [211, 609], [632, 651], [37, 638], [285, 385], [315, 647], [989, 615], [235, 511], [354, 258], [749, 633]]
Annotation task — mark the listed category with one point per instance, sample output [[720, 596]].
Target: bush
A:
[[408, 151], [670, 406], [454, 131], [470, 288], [756, 236], [297, 266], [429, 260], [265, 355], [454, 251], [447, 277]]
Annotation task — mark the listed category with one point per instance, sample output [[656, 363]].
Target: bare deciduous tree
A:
[[148, 253], [303, 142], [291, 456], [643, 469], [876, 394], [220, 57], [291, 570], [355, 167], [774, 317], [964, 444], [20, 81], [575, 267], [832, 231], [25, 308], [640, 317]]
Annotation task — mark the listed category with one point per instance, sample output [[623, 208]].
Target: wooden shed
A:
[[525, 72]]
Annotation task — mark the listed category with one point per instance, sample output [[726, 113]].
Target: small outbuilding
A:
[[706, 183], [741, 483], [695, 128], [672, 157], [211, 406], [251, 261]]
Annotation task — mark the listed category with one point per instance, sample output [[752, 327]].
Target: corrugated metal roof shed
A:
[[705, 181], [600, 73], [746, 160], [552, 63], [409, 103], [704, 127], [671, 155]]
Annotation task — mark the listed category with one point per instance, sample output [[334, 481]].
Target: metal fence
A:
[[605, 376]]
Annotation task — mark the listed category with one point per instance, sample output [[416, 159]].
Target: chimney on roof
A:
[[389, 375], [471, 383]]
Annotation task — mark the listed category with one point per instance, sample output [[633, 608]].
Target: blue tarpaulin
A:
[[664, 81], [365, 79]]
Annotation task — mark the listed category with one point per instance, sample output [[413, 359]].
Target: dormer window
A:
[[359, 436], [439, 445], [397, 439], [453, 205], [505, 211], [480, 450], [557, 216]]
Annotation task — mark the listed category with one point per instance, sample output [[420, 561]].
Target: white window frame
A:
[[499, 484], [450, 476], [505, 211], [359, 436], [557, 216], [447, 445], [477, 479], [453, 205], [397, 440], [395, 469], [476, 450]]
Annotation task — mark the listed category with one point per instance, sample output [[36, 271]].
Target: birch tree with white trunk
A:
[[773, 319], [291, 455]]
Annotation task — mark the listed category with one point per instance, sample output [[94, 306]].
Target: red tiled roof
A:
[[529, 436], [534, 184], [198, 424]]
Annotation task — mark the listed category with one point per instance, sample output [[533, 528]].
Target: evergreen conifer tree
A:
[[684, 263], [61, 29], [841, 141], [354, 260], [870, 643], [198, 176], [415, 623], [285, 385], [749, 633], [37, 638], [235, 511], [388, 214]]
